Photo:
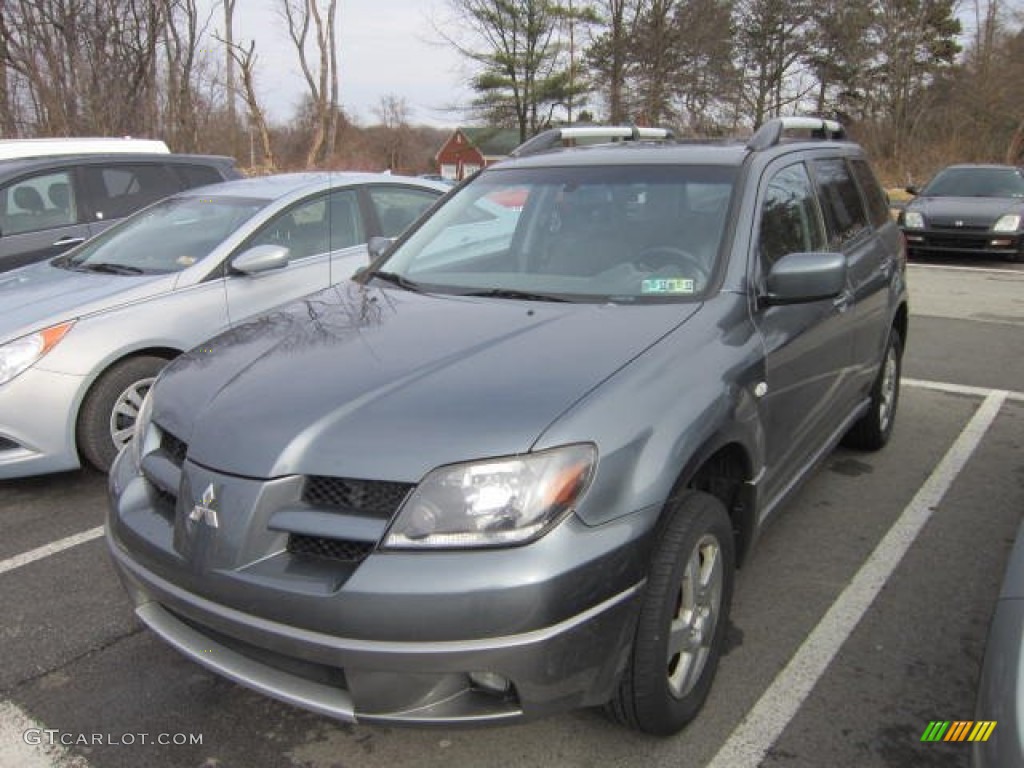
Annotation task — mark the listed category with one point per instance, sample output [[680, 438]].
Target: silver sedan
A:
[[83, 336]]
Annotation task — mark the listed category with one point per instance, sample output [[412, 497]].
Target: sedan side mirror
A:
[[378, 246], [260, 258], [912, 190], [799, 278]]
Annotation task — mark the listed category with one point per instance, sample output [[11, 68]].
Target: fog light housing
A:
[[1002, 243], [491, 682]]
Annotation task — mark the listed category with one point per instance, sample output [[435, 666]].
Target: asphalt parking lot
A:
[[860, 618]]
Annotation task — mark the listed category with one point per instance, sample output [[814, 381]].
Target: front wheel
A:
[[683, 618], [873, 430], [107, 419]]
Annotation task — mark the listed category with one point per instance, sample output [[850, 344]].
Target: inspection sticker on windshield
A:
[[667, 285]]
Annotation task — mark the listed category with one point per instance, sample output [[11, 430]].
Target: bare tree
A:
[[301, 16], [245, 58]]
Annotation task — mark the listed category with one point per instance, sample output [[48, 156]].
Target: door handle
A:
[[66, 242]]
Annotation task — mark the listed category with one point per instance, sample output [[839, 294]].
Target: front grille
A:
[[173, 448], [954, 242], [367, 497], [164, 502], [329, 549]]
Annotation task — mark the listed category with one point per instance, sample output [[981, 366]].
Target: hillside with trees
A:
[[920, 83]]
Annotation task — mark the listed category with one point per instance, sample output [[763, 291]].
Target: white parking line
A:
[[24, 743], [50, 549], [748, 744], [996, 270], [960, 389]]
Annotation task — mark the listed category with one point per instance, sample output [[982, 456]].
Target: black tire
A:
[[873, 430], [660, 693], [123, 383]]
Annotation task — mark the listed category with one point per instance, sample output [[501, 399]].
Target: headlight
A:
[[144, 438], [913, 220], [493, 503], [1008, 223], [18, 355]]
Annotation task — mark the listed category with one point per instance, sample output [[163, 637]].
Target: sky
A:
[[385, 47]]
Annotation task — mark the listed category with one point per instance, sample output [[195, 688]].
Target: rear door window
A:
[[197, 175], [398, 207], [844, 212], [119, 189], [874, 197]]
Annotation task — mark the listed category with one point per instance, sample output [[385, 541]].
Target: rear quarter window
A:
[[197, 175]]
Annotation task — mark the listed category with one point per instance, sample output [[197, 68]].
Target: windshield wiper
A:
[[109, 269], [511, 293], [396, 279]]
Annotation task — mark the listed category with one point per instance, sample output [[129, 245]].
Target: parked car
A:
[[83, 335], [1001, 687], [479, 484], [50, 204], [973, 210]]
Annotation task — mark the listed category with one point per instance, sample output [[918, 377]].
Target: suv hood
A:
[[972, 211], [388, 384], [40, 295]]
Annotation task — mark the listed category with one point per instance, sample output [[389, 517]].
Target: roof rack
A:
[[771, 133], [556, 137]]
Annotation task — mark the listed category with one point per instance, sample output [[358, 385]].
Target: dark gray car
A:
[[974, 210], [511, 468], [50, 204]]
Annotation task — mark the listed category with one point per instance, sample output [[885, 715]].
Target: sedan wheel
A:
[[106, 422]]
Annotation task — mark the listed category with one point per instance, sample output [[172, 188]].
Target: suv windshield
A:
[[976, 182], [619, 233], [167, 237]]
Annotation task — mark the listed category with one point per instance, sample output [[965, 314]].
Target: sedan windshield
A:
[[167, 237], [611, 233], [976, 182]]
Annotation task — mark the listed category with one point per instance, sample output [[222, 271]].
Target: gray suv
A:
[[511, 467], [49, 204]]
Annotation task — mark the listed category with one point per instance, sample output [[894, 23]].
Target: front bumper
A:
[[419, 637], [977, 242], [37, 415]]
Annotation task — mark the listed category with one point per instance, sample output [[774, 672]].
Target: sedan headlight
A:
[[913, 220], [1008, 223], [19, 355], [493, 503]]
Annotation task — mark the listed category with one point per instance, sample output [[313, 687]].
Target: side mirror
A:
[[260, 258], [799, 278], [912, 190], [378, 246]]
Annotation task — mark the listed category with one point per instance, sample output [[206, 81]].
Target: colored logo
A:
[[958, 730]]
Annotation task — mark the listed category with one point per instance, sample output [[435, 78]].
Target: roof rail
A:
[[771, 133], [556, 137]]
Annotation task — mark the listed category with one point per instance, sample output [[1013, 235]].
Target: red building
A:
[[468, 150]]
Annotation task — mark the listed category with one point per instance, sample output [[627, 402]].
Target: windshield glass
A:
[[976, 182], [613, 233], [167, 237]]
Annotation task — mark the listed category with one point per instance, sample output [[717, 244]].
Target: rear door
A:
[[869, 261]]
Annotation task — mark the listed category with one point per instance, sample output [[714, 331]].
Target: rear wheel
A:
[[874, 428], [107, 419], [683, 618]]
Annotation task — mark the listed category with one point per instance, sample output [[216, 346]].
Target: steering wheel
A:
[[658, 256]]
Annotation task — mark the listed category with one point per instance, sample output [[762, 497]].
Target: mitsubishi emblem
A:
[[204, 511]]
